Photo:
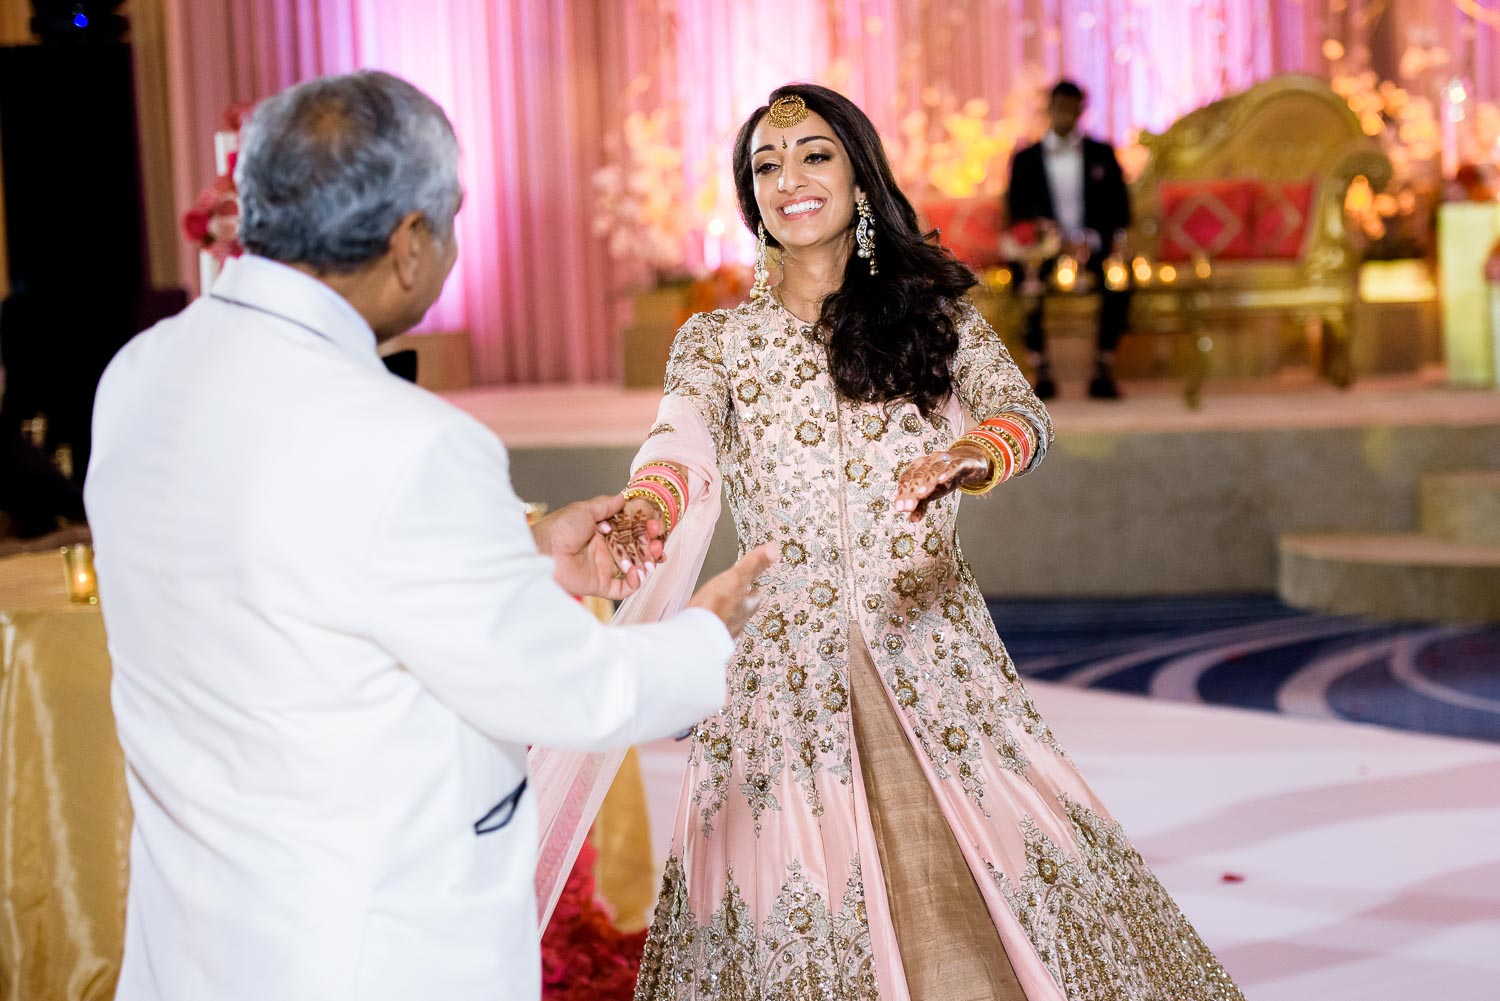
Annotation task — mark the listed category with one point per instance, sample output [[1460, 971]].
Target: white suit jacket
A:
[[333, 640]]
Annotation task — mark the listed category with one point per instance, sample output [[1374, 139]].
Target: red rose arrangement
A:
[[1031, 240], [584, 956]]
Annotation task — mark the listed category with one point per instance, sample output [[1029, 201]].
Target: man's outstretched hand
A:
[[729, 595]]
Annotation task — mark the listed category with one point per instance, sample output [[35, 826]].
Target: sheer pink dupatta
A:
[[570, 785]]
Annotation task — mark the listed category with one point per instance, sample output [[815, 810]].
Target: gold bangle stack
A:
[[668, 485], [997, 466], [631, 493]]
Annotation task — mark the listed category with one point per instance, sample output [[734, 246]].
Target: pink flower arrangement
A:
[[213, 223]]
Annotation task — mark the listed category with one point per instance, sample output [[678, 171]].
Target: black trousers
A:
[[1114, 311]]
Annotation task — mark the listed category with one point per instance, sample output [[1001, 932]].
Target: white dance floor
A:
[[1370, 858]]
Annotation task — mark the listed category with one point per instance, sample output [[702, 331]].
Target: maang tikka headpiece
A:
[[787, 111]]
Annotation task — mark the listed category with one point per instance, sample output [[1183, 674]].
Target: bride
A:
[[879, 810]]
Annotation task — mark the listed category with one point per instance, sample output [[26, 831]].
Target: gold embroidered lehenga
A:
[[798, 868]]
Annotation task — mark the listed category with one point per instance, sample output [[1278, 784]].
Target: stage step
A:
[[1462, 507], [1404, 577]]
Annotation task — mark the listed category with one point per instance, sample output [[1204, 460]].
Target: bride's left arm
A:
[[995, 394], [1012, 429]]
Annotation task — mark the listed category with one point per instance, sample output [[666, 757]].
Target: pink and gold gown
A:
[[879, 811]]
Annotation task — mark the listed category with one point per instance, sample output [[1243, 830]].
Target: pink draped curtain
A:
[[535, 87], [518, 79]]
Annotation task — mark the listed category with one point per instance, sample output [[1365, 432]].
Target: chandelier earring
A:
[[762, 286], [864, 234]]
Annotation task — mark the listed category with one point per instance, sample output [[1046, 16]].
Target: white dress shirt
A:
[[333, 639], [1063, 160]]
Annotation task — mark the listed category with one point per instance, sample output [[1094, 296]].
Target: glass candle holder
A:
[[78, 568], [1031, 282]]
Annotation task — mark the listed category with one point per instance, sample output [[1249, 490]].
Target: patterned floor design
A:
[[1256, 653]]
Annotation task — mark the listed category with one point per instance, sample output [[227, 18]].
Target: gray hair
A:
[[328, 168]]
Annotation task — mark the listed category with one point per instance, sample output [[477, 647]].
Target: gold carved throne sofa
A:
[[1239, 210]]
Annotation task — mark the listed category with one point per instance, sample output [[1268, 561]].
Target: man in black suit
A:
[[1075, 183]]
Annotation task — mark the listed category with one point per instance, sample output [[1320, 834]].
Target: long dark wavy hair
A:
[[891, 336]]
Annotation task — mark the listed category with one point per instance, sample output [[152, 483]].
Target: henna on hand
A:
[[937, 475], [636, 538]]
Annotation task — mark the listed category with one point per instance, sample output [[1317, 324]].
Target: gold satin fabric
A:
[[625, 871], [948, 942], [65, 826]]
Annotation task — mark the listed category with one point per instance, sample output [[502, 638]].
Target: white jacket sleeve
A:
[[463, 600]]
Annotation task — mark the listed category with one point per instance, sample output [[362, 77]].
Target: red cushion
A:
[[1281, 219], [1215, 218], [970, 227]]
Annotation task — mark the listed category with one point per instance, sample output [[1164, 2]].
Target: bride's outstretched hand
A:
[[938, 475], [637, 539]]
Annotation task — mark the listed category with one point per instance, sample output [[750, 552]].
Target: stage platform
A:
[[1326, 860], [1139, 497]]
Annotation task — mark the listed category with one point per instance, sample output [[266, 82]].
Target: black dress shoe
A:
[[1044, 388], [1103, 386]]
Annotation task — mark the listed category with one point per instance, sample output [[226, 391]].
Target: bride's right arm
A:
[[673, 466]]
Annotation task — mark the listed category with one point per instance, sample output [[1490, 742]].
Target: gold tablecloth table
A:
[[64, 813]]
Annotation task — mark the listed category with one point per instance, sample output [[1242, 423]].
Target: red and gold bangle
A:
[[657, 495], [1023, 431], [1017, 425], [1001, 463], [1005, 440]]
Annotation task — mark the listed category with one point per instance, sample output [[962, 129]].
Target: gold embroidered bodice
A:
[[815, 474]]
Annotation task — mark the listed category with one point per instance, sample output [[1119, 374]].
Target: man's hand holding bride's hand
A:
[[579, 540], [938, 475], [637, 538]]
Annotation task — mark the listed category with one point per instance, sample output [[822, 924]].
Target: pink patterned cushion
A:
[[1214, 218], [970, 227], [1281, 219]]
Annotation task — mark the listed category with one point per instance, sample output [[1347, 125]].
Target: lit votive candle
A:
[[1167, 274], [1115, 275], [1067, 273], [78, 567], [1202, 266], [1142, 270]]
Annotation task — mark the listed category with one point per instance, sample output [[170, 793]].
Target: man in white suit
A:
[[333, 634]]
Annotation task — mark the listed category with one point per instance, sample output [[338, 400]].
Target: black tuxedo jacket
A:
[[1106, 204]]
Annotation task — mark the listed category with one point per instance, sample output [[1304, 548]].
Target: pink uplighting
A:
[[538, 90]]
